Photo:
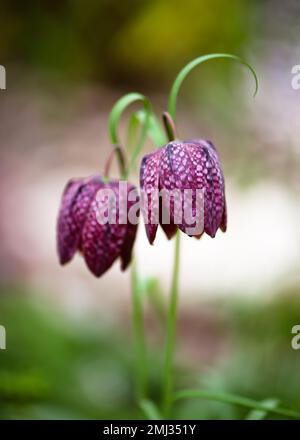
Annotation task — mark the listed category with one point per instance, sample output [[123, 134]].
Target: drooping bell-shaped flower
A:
[[188, 167], [79, 227]]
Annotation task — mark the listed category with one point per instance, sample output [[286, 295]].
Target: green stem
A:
[[170, 126], [171, 332], [113, 124], [235, 400], [139, 334], [139, 145], [190, 66], [121, 161], [171, 133], [137, 304], [116, 152]]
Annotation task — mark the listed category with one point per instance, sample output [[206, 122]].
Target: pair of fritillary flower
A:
[[188, 165]]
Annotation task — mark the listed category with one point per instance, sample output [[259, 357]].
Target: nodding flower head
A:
[[188, 165], [79, 228]]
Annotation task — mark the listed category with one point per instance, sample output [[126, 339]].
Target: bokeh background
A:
[[69, 344]]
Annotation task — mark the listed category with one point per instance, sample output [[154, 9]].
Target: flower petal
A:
[[149, 181], [179, 171], [126, 251], [94, 242], [214, 205], [84, 198], [76, 200], [170, 228], [223, 225], [102, 244], [68, 234]]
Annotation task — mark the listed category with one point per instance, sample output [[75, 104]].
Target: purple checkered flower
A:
[[78, 228], [187, 165]]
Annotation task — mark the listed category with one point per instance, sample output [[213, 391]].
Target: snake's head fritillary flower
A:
[[78, 227], [184, 165]]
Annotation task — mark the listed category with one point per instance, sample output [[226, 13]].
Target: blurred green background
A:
[[69, 344]]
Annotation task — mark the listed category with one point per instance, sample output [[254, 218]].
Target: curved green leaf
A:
[[150, 409], [114, 120], [235, 400], [118, 109], [190, 66]]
